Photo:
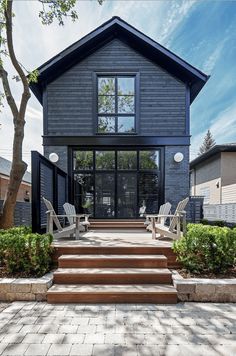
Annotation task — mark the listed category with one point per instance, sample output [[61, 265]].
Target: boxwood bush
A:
[[22, 252], [207, 248]]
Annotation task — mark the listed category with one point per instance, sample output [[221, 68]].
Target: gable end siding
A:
[[161, 100]]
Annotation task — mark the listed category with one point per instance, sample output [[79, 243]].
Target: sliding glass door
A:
[[116, 183]]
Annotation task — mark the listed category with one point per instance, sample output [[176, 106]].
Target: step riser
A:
[[86, 250], [97, 227], [112, 298], [112, 279], [121, 263]]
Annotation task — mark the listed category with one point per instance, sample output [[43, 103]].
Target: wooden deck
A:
[[114, 237]]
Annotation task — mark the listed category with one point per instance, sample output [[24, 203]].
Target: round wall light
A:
[[178, 157], [53, 157]]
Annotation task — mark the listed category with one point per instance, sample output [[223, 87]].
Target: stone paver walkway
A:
[[30, 328]]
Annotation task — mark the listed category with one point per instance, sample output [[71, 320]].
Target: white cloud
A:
[[210, 63], [178, 11]]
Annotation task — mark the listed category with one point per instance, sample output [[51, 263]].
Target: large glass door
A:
[[116, 183]]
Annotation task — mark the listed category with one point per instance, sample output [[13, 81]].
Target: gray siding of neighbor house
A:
[[176, 175], [208, 170], [70, 97]]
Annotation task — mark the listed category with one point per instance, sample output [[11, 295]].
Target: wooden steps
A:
[[165, 294], [166, 251], [112, 274], [116, 261]]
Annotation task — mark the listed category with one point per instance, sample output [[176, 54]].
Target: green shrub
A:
[[204, 222], [207, 248], [21, 251]]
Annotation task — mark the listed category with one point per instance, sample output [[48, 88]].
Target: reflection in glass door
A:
[[148, 192], [126, 195], [105, 195]]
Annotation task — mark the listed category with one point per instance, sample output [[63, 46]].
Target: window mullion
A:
[[116, 104]]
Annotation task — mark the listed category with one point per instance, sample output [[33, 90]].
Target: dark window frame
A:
[[117, 74], [116, 171]]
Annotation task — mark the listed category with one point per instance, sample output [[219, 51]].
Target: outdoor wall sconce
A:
[[178, 157], [53, 157]]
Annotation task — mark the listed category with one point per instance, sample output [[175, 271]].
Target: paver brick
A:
[[97, 338], [37, 349], [79, 350], [15, 349], [59, 350], [53, 338]]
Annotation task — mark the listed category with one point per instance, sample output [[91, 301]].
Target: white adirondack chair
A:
[[164, 210], [52, 218], [172, 231], [71, 212]]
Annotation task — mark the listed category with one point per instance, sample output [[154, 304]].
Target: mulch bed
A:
[[5, 274], [231, 273]]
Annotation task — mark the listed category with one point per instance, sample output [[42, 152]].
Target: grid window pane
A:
[[126, 86], [148, 193], [149, 160], [105, 195], [126, 104], [126, 124], [84, 188], [106, 124], [106, 86], [127, 159], [83, 160], [126, 195], [105, 160], [106, 104]]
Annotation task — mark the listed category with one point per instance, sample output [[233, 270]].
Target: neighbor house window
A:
[[116, 104]]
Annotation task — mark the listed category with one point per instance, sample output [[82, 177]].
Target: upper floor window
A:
[[116, 104]]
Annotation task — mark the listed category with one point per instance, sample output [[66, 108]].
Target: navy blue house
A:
[[116, 111]]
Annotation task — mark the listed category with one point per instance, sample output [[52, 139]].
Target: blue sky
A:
[[201, 32]]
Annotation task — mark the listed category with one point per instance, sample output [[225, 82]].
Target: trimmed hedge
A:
[[23, 252], [207, 248]]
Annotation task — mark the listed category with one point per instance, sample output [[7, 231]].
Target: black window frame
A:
[[117, 75], [116, 171]]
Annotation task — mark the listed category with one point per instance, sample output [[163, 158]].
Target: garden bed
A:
[[230, 273], [208, 256]]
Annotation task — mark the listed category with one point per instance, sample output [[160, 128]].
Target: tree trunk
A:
[[18, 165], [17, 172]]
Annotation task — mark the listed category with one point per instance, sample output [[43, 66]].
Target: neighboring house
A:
[[116, 111], [213, 175], [24, 193]]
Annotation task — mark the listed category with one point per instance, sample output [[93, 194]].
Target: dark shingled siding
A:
[[70, 97]]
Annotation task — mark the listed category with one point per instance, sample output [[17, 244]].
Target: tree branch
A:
[[8, 94], [15, 63]]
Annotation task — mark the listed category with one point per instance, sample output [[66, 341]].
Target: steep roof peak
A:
[[116, 27]]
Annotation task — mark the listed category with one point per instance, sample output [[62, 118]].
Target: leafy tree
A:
[[52, 10], [208, 143]]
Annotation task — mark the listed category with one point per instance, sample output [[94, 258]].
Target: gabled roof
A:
[[227, 147], [118, 28], [5, 169]]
